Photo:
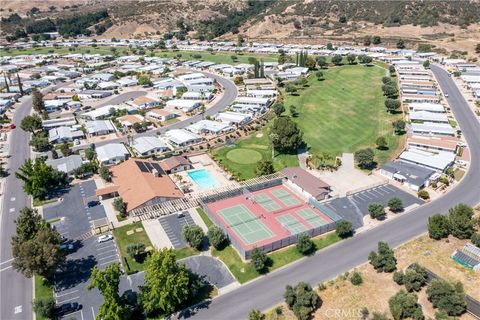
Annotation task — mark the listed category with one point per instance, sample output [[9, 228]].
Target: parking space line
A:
[[93, 312], [66, 300], [6, 261], [108, 257], [107, 252], [64, 294]]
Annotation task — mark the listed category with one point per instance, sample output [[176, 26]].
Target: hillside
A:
[[452, 25]]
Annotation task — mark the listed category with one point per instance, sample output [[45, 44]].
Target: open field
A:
[[377, 288], [241, 158], [345, 112], [217, 57]]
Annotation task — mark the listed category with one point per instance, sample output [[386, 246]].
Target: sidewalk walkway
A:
[[157, 235]]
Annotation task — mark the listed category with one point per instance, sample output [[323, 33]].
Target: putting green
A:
[[244, 156]]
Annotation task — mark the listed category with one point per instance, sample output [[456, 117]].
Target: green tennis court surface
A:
[[285, 197], [311, 218], [247, 226], [293, 225], [266, 202]]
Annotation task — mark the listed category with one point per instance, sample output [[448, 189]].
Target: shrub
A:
[[423, 194], [404, 305], [44, 307], [120, 206], [259, 259], [376, 210], [356, 279], [398, 277], [135, 250], [476, 239], [305, 245], [193, 235], [344, 229], [395, 204], [438, 227], [447, 297], [384, 260], [460, 221], [302, 300], [255, 314], [415, 277], [216, 236]]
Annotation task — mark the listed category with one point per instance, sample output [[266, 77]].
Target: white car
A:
[[104, 238]]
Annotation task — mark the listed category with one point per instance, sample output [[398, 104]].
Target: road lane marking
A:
[[12, 199], [18, 309], [65, 294], [66, 300], [11, 210], [6, 268], [93, 312]]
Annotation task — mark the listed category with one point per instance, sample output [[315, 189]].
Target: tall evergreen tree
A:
[[19, 82]]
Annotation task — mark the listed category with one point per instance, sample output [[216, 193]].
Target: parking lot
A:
[[173, 225], [71, 281], [354, 207]]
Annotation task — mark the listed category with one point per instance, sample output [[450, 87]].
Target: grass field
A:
[[241, 158], [43, 290], [345, 112], [220, 57], [123, 240]]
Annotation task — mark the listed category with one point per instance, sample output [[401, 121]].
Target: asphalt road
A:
[[334, 260], [229, 95], [123, 97], [15, 289]]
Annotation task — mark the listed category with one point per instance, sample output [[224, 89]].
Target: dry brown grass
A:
[[377, 288]]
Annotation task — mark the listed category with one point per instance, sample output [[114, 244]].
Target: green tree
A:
[[392, 105], [90, 152], [193, 235], [217, 237], [166, 284], [144, 80], [319, 75], [290, 88], [31, 123], [321, 61], [264, 167], [423, 194], [293, 111], [404, 305], [477, 48], [460, 221], [44, 307], [302, 300], [426, 64], [384, 260], [376, 40], [330, 46], [438, 227], [39, 178], [107, 282], [344, 229], [400, 44], [287, 136], [364, 59], [390, 90], [476, 239], [398, 126], [376, 210], [40, 142], [120, 206], [337, 59], [255, 314], [278, 108], [395, 204], [65, 149], [367, 40], [398, 277], [40, 254], [381, 143], [135, 250], [310, 62], [356, 279], [305, 245], [259, 259], [415, 277], [105, 174], [37, 101], [447, 297], [379, 316], [365, 158], [351, 58]]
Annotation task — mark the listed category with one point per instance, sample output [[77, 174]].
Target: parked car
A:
[[104, 238], [180, 214], [66, 246], [93, 203], [67, 308], [446, 95], [12, 126]]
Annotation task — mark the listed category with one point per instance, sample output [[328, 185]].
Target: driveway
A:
[[215, 272]]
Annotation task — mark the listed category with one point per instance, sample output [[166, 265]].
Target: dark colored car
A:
[[93, 203], [67, 308]]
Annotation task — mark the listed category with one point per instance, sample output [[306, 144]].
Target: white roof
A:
[[438, 161], [110, 151], [433, 107], [428, 116], [99, 126], [209, 125], [180, 136], [234, 117], [188, 76], [428, 127], [251, 100], [147, 144], [182, 103]]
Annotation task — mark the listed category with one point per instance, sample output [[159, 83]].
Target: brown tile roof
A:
[[173, 162], [306, 181], [132, 118], [138, 185], [161, 112], [143, 99]]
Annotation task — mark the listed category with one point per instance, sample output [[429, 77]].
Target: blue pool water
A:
[[203, 179]]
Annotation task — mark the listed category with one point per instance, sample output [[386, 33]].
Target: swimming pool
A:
[[203, 179]]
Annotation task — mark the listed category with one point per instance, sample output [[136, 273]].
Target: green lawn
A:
[[241, 158], [123, 240], [217, 57], [43, 290], [345, 112]]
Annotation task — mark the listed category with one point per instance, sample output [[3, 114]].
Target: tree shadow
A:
[[73, 272]]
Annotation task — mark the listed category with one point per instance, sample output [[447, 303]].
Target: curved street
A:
[[327, 264]]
